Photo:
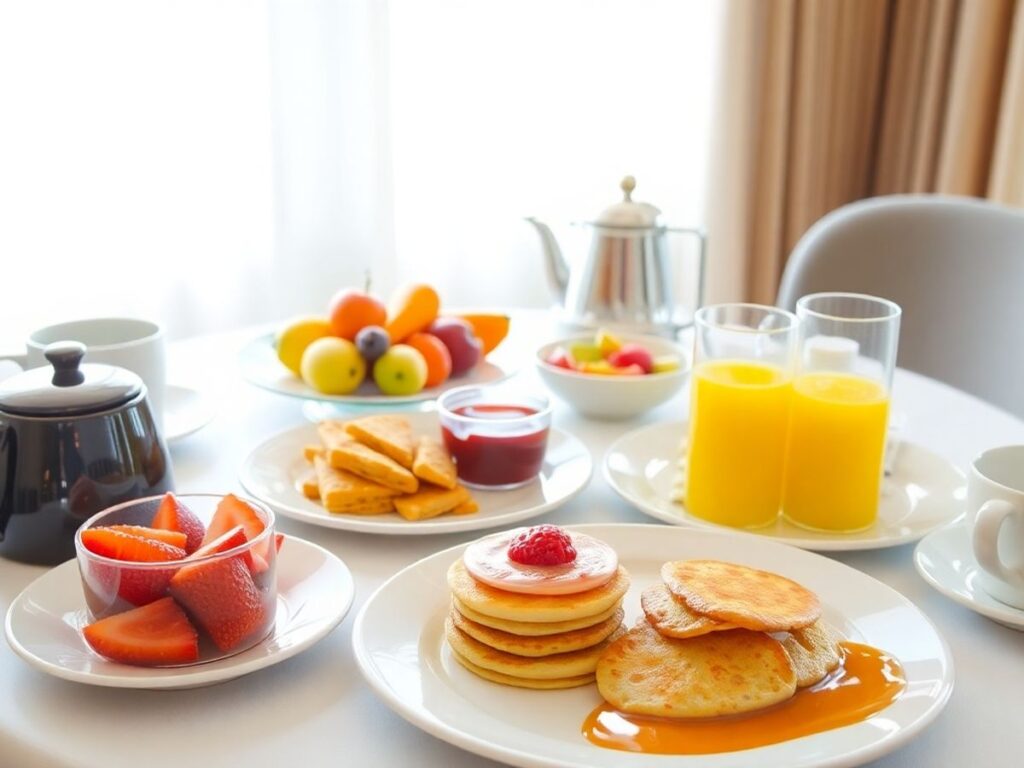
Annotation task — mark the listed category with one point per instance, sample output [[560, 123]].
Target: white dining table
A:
[[315, 710]]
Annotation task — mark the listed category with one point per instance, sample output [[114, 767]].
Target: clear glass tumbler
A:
[[840, 410], [741, 387]]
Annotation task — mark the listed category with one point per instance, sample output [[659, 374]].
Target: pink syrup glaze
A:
[[487, 561]]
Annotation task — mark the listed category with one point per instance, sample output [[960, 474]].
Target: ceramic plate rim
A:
[[996, 611], [265, 340], [835, 544], [425, 720], [440, 525], [203, 674]]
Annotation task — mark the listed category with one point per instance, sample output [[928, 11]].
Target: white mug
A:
[[137, 345], [995, 511]]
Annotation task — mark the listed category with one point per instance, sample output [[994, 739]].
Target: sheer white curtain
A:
[[213, 163]]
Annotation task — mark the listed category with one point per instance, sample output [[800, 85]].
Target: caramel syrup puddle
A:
[[866, 682]]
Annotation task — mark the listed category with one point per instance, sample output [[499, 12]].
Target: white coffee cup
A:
[[131, 343], [995, 511]]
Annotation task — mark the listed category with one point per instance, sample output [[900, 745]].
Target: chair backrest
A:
[[956, 267]]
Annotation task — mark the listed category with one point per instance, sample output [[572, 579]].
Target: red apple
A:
[[632, 354], [464, 348]]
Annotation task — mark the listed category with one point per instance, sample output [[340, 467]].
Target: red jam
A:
[[496, 459]]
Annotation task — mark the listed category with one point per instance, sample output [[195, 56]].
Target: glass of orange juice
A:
[[840, 410], [741, 386]]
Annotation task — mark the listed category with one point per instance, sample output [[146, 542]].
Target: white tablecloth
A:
[[314, 709]]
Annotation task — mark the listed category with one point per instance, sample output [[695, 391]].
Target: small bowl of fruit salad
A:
[[171, 581], [613, 376]]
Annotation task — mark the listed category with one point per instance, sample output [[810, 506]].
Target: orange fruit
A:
[[490, 329], [439, 360], [350, 311]]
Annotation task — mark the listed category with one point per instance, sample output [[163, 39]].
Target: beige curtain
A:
[[823, 102]]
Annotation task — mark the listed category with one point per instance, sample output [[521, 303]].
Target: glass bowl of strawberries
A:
[[178, 580]]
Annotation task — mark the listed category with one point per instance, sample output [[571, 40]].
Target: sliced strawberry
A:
[[158, 634], [278, 541], [232, 511], [174, 538], [228, 540], [222, 599], [172, 515], [136, 585]]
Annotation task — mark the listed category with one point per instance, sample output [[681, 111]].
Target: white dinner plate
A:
[[946, 561], [260, 366], [271, 471], [43, 626], [924, 492], [408, 664], [186, 411]]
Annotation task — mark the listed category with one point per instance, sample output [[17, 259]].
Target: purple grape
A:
[[372, 342]]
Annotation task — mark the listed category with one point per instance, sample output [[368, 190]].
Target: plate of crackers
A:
[[391, 474], [693, 648]]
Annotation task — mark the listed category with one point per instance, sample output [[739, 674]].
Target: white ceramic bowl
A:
[[614, 397]]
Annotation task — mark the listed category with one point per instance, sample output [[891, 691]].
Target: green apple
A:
[[583, 352], [332, 366], [665, 363], [401, 370]]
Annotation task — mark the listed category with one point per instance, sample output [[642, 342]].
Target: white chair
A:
[[956, 267]]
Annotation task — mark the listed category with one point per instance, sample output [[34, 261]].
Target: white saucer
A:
[[270, 473], [315, 591], [945, 560], [923, 493], [186, 411], [408, 664], [260, 366]]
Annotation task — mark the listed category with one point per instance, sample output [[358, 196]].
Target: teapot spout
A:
[[558, 270]]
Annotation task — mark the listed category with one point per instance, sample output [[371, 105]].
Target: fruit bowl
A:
[[174, 581], [613, 395]]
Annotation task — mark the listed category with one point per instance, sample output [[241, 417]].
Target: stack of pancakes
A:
[[532, 641], [718, 639]]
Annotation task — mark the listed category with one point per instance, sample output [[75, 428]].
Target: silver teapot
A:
[[625, 278]]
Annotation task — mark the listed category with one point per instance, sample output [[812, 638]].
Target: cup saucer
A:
[[186, 410], [43, 626], [945, 560]]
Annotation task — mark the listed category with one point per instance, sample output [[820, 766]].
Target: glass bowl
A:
[[229, 597], [496, 435]]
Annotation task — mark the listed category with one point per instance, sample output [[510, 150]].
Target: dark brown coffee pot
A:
[[74, 440]]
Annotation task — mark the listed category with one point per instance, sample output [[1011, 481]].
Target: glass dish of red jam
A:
[[496, 436]]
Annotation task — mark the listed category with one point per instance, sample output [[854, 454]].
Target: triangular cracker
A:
[[433, 464], [430, 502], [342, 491], [344, 452], [390, 435]]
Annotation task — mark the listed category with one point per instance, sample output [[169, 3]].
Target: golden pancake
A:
[[542, 645], [814, 652], [560, 665], [746, 597], [673, 618], [521, 607], [522, 682], [720, 673], [533, 628]]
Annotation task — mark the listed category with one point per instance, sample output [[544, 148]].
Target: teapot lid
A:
[[68, 388], [627, 212]]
